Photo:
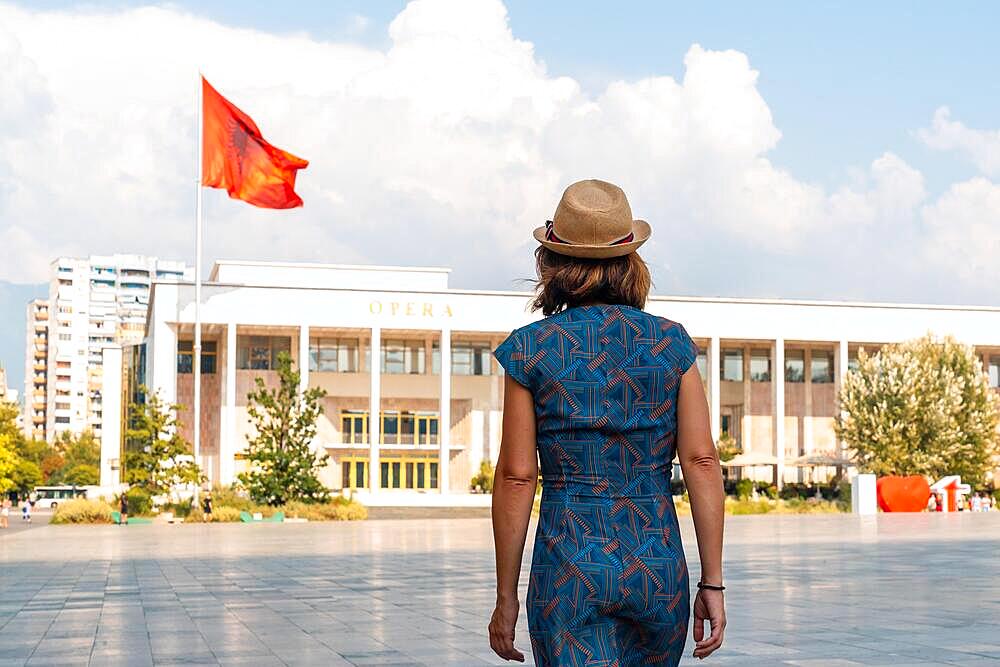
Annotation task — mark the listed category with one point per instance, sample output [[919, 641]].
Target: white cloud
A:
[[963, 228], [982, 147], [446, 148]]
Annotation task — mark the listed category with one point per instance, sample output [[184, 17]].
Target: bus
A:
[[49, 497]]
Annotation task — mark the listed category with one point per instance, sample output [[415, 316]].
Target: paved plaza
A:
[[824, 591]]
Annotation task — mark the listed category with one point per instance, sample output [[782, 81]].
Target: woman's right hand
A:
[[502, 629], [709, 606]]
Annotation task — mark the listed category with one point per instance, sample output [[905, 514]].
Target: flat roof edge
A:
[[652, 298], [320, 265]]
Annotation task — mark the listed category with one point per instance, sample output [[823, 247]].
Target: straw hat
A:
[[593, 220]]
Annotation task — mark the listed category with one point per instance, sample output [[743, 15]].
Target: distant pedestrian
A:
[[123, 508], [26, 510], [5, 512], [206, 508], [976, 502]]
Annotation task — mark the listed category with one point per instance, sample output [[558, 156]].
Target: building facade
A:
[[36, 377], [414, 398], [93, 302]]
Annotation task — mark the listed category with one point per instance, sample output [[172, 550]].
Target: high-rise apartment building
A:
[[93, 302], [36, 369]]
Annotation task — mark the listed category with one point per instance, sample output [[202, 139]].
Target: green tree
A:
[[83, 449], [26, 476], [34, 450], [82, 475], [158, 458], [8, 463], [484, 479], [283, 465], [727, 447], [10, 440], [52, 467], [923, 407]]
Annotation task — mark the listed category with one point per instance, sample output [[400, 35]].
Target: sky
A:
[[832, 150]]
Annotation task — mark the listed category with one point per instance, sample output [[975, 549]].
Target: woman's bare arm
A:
[[703, 478], [514, 484]]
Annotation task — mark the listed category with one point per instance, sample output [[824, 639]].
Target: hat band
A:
[[550, 235]]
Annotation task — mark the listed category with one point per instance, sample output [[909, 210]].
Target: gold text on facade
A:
[[410, 308]]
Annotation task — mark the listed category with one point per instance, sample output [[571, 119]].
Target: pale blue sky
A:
[[845, 81]]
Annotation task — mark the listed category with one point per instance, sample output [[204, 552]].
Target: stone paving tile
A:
[[805, 591]]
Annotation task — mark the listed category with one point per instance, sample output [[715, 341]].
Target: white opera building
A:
[[411, 422]]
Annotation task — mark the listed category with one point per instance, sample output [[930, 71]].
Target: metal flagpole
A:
[[197, 293]]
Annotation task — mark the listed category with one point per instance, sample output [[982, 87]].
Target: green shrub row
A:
[[82, 510], [220, 514]]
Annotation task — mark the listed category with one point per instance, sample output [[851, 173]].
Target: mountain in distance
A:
[[14, 300]]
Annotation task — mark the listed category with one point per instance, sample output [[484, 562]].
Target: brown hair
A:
[[564, 282]]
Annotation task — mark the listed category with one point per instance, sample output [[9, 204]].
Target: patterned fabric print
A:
[[608, 584]]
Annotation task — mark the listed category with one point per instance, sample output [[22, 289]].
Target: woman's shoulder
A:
[[667, 325]]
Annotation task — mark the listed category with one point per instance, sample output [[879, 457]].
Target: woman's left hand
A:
[[502, 630]]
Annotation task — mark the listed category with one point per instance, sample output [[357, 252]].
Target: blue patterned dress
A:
[[608, 584]]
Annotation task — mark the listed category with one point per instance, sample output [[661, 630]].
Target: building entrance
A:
[[396, 471]]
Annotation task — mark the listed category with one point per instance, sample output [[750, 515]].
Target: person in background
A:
[[26, 510], [123, 508], [5, 512], [976, 502], [206, 507]]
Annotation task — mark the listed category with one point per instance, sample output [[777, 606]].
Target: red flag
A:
[[236, 157]]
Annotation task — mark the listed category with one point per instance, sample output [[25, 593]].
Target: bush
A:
[[230, 496], [139, 501], [83, 475], [339, 509], [844, 493], [82, 510], [793, 506], [744, 488], [181, 509], [793, 490], [747, 506], [771, 491], [225, 514], [221, 514], [484, 479]]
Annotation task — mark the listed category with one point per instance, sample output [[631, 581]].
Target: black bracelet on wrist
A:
[[710, 587]]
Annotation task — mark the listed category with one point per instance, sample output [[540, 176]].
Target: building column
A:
[[374, 406], [303, 358], [714, 383], [227, 422], [779, 408], [496, 417], [444, 419], [807, 419], [477, 442], [841, 373], [162, 363], [304, 378], [746, 418], [111, 427]]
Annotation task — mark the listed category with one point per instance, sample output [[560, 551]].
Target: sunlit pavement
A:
[[827, 591], [16, 524]]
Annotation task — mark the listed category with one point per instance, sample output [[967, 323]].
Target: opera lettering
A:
[[410, 309]]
